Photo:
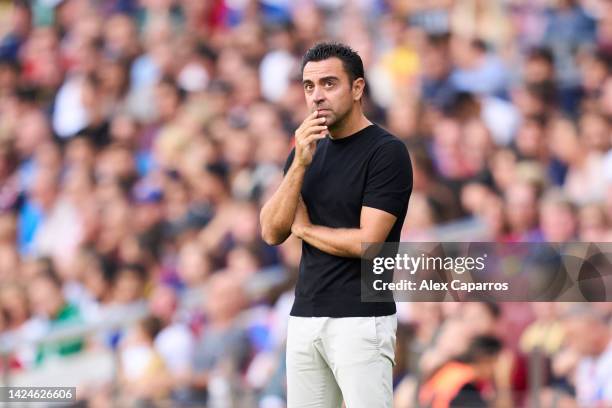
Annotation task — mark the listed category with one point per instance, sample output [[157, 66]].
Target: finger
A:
[[308, 140], [307, 120], [310, 131], [316, 132], [320, 119], [314, 129], [314, 122]]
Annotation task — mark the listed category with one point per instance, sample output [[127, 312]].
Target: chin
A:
[[330, 119]]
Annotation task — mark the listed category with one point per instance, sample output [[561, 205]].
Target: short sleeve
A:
[[468, 396], [389, 179], [289, 161]]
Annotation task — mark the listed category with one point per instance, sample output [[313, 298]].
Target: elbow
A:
[[368, 245], [358, 251], [267, 233], [271, 232], [270, 237]]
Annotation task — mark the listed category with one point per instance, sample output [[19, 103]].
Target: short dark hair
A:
[[481, 347], [152, 326], [479, 45], [351, 61], [542, 54], [136, 269], [492, 308], [48, 272]]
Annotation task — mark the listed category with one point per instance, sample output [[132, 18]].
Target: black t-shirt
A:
[[468, 397], [370, 168]]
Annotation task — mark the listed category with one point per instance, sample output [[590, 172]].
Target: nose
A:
[[318, 96]]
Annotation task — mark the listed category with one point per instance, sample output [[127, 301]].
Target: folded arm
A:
[[278, 213], [374, 227]]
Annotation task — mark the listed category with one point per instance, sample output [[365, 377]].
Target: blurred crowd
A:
[[140, 138]]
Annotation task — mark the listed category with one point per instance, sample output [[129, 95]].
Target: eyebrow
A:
[[327, 78]]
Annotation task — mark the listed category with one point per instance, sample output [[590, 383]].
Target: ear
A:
[[358, 88]]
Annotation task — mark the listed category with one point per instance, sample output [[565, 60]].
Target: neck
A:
[[354, 121]]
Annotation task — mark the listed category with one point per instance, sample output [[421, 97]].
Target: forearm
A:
[[345, 242], [278, 213], [374, 227]]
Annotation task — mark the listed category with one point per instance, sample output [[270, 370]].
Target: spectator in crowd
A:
[[558, 218], [143, 372], [545, 334], [20, 25], [174, 342], [459, 382], [588, 334], [129, 284], [223, 350], [475, 61], [49, 304]]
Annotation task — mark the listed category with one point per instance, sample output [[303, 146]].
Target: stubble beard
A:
[[339, 121]]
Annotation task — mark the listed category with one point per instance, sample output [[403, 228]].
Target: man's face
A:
[[327, 88], [485, 368], [46, 298], [478, 319], [587, 336]]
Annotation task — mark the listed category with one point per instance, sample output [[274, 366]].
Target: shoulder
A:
[[388, 146], [383, 137], [468, 396]]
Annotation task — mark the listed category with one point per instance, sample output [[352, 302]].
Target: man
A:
[[457, 383], [588, 334], [351, 187], [49, 304]]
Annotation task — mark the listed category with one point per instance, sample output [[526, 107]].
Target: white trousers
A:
[[331, 359]]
